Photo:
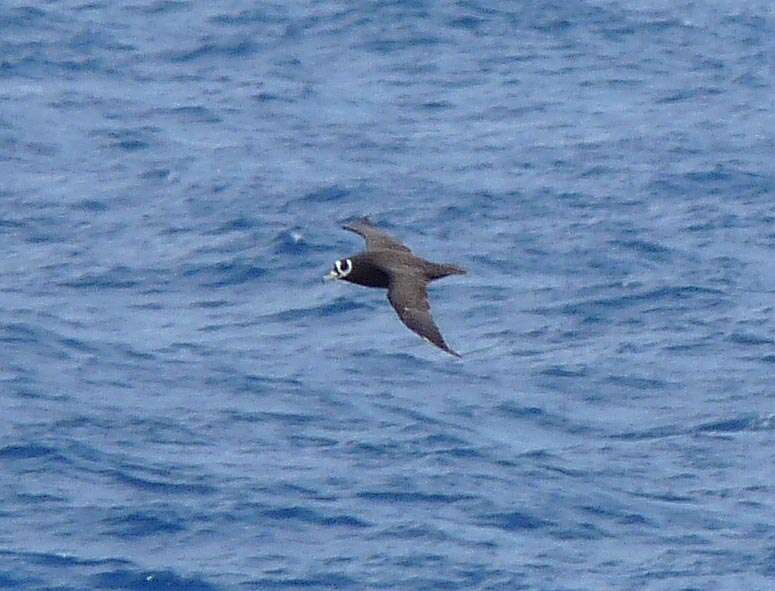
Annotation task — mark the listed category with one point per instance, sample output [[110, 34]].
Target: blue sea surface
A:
[[187, 406]]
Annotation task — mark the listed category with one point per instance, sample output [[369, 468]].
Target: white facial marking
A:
[[344, 268]]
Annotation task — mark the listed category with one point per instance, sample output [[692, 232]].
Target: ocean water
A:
[[186, 405]]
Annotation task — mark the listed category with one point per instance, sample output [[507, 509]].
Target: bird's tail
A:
[[437, 271]]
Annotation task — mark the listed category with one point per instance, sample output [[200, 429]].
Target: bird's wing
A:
[[375, 239], [408, 295]]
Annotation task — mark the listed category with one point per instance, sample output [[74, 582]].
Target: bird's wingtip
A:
[[352, 222], [451, 351]]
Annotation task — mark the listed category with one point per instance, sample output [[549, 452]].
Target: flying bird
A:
[[389, 264]]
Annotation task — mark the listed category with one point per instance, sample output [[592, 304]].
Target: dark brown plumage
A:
[[387, 263]]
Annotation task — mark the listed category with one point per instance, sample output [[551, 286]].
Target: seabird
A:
[[387, 263]]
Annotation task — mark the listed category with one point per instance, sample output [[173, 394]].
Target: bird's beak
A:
[[330, 276]]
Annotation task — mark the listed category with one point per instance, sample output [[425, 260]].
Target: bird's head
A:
[[341, 269]]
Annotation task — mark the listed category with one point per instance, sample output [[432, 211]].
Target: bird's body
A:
[[373, 268], [391, 265]]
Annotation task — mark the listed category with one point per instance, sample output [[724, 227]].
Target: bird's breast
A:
[[367, 274]]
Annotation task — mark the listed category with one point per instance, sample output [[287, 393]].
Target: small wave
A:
[[119, 277], [159, 7], [325, 195], [664, 497], [676, 294], [160, 486], [133, 525], [264, 13], [6, 224], [333, 580], [513, 521], [580, 531], [90, 206], [636, 382], [127, 139], [335, 308], [52, 343], [26, 452], [189, 114], [61, 559], [386, 45], [411, 497], [288, 419], [727, 425], [728, 179], [411, 531], [225, 273], [564, 371], [22, 16], [653, 433], [737, 424], [237, 47], [304, 515], [616, 515], [749, 339], [690, 94], [645, 248], [140, 580], [239, 223], [253, 384], [9, 581], [469, 23], [540, 417]]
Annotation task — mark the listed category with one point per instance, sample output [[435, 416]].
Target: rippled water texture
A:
[[185, 405]]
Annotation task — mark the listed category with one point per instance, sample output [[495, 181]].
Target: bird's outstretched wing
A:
[[408, 295], [375, 239]]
